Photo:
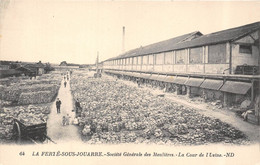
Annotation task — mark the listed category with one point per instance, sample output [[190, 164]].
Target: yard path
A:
[[55, 130]]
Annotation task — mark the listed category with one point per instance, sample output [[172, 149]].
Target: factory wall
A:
[[208, 59], [245, 51]]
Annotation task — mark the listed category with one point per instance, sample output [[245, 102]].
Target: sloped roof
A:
[[157, 47], [220, 37], [180, 42], [37, 65], [22, 68], [236, 87], [5, 62], [64, 63]]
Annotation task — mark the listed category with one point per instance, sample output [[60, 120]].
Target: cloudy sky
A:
[[74, 31]]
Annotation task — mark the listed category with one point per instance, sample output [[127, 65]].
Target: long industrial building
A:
[[223, 65]]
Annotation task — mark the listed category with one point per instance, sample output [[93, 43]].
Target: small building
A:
[[38, 68], [10, 73], [27, 72], [67, 66], [5, 65]]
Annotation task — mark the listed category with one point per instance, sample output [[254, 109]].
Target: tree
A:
[[48, 68]]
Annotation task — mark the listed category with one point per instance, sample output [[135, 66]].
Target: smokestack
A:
[[123, 40]]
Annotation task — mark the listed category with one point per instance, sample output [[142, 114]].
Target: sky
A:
[[76, 31]]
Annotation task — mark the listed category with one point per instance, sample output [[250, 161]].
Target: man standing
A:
[[58, 103], [77, 105]]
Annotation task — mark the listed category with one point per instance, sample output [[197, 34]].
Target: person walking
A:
[[58, 103], [65, 83]]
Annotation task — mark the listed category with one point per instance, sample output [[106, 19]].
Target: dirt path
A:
[[55, 130], [227, 116]]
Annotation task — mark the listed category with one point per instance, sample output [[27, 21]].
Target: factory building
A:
[[223, 65]]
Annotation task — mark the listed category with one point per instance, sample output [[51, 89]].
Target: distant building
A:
[[10, 73], [5, 65], [63, 63], [65, 66], [38, 68], [26, 71]]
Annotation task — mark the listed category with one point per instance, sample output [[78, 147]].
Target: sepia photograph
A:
[[123, 82]]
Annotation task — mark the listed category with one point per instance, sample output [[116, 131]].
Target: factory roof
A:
[[193, 39], [159, 46]]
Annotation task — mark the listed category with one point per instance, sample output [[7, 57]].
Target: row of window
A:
[[216, 55]]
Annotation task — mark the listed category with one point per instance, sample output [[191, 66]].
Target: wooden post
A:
[[252, 91], [189, 91], [230, 57], [258, 121], [258, 50], [187, 62], [225, 99], [174, 59], [203, 57]]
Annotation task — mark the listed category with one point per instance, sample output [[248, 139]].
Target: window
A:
[[139, 60], [245, 49], [150, 59], [180, 56], [217, 54], [168, 58], [135, 60], [159, 58], [196, 55], [123, 62], [145, 60]]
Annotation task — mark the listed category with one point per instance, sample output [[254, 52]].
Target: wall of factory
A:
[[245, 51], [209, 59]]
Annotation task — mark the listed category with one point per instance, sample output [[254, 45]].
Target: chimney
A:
[[123, 40]]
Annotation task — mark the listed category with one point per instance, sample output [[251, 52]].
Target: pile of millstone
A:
[[113, 110], [36, 97], [42, 90]]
